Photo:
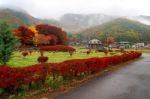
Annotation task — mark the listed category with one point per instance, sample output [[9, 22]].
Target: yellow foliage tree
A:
[[33, 28]]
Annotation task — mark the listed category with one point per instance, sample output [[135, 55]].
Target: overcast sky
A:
[[56, 8]]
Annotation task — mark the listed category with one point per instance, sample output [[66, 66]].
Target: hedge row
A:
[[15, 77], [61, 48]]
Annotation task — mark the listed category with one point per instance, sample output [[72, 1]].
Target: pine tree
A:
[[8, 43]]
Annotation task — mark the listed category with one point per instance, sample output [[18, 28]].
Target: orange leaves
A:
[[42, 34], [24, 34], [33, 29]]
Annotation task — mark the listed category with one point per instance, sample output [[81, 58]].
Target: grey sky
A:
[[56, 8]]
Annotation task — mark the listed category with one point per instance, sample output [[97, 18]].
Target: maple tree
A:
[[24, 35], [58, 36], [42, 34], [109, 40]]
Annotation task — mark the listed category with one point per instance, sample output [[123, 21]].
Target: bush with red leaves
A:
[[49, 30], [46, 35], [70, 53], [24, 54], [61, 48], [15, 77], [25, 35], [88, 52], [106, 51], [42, 59]]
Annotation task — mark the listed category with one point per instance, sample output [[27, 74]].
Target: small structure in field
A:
[[124, 44], [95, 44], [139, 45]]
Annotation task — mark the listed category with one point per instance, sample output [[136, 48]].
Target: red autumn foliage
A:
[[15, 77], [24, 34], [46, 40], [53, 32], [70, 53], [42, 59], [88, 52], [109, 40], [122, 50], [61, 48], [52, 39], [24, 54], [24, 48], [106, 51], [45, 35]]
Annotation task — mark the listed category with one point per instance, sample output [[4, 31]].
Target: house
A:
[[138, 45], [95, 44], [124, 44]]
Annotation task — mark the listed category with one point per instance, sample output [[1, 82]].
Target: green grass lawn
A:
[[141, 50], [19, 61], [145, 51]]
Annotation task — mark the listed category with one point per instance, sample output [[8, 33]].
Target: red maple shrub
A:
[[42, 59], [24, 54], [61, 48], [15, 77], [106, 51], [70, 53], [24, 35], [54, 32], [88, 52], [43, 34], [109, 40]]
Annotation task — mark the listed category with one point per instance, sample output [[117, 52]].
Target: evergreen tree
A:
[[8, 43]]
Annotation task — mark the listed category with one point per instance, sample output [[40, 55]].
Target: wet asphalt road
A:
[[130, 82]]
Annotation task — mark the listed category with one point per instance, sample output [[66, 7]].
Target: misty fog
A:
[[56, 8]]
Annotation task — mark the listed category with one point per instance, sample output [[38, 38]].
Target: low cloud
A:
[[56, 8]]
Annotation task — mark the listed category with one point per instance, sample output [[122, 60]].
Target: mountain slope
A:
[[120, 29], [16, 17], [69, 22], [141, 18], [76, 22]]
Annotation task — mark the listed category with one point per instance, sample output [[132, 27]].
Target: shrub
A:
[[24, 35], [49, 30], [88, 52], [42, 59], [15, 77], [70, 53], [61, 48], [24, 54], [106, 51]]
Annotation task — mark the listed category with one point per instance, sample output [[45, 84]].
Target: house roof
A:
[[124, 42], [94, 41]]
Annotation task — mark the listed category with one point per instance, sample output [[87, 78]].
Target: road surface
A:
[[130, 82]]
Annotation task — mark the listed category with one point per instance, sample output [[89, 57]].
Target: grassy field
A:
[[145, 51], [141, 50], [19, 61]]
